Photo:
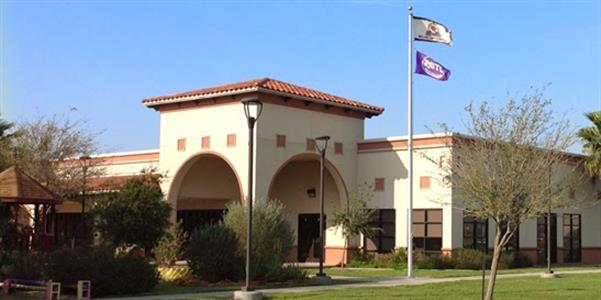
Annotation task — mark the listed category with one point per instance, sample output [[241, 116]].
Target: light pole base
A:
[[548, 275], [244, 295], [322, 278]]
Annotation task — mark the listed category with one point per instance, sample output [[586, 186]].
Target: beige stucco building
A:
[[204, 153]]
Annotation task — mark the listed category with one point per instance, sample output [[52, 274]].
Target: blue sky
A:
[[103, 57]]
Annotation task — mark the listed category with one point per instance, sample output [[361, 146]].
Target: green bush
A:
[[110, 275], [136, 215], [514, 259], [435, 261], [28, 265], [397, 259], [287, 273], [470, 259], [272, 235], [213, 255]]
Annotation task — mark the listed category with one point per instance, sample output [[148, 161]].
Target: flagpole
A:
[[410, 145]]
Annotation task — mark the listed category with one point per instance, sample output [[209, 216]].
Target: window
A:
[[541, 238], [338, 148], [383, 239], [424, 182], [181, 145], [280, 141], [310, 145], [205, 142], [231, 140], [379, 184], [427, 230], [475, 233], [572, 238]]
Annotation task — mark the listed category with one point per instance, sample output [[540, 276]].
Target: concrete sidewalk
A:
[[365, 282]]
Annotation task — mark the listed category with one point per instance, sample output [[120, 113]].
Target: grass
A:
[[166, 287], [566, 287], [383, 272]]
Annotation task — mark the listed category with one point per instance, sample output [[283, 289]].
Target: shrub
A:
[[470, 259], [109, 275], [287, 273], [396, 259], [436, 261], [28, 265], [514, 259], [213, 253], [135, 275], [136, 215], [170, 247], [272, 234]]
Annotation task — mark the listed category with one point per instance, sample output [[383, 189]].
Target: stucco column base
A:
[[322, 279], [244, 295], [548, 275]]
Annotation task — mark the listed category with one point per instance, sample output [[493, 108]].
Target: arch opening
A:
[[296, 186], [202, 189]]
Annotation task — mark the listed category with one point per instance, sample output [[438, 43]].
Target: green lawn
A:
[[165, 287], [379, 273], [567, 287]]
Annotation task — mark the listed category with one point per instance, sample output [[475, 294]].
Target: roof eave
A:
[[152, 104]]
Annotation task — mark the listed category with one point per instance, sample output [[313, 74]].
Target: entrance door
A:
[[308, 237], [541, 238], [197, 218]]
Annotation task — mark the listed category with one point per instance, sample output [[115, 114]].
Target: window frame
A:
[[426, 237], [378, 221]]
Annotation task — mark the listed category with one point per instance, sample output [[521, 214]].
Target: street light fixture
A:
[[252, 109], [321, 144], [85, 164]]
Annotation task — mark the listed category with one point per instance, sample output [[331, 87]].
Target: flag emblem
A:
[[430, 31], [426, 66]]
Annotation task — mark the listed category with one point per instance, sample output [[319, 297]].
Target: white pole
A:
[[410, 146]]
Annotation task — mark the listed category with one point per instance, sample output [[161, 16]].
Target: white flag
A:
[[430, 31]]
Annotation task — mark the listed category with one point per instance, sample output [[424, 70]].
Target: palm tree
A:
[[591, 137]]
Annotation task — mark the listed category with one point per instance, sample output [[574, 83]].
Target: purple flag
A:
[[426, 66]]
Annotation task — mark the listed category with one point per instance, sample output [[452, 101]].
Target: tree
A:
[[591, 138], [56, 151], [503, 169], [137, 215], [354, 219], [7, 134]]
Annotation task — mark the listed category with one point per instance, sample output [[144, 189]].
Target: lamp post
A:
[[85, 163], [252, 110], [322, 144]]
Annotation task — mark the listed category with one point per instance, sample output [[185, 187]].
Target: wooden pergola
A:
[[17, 189]]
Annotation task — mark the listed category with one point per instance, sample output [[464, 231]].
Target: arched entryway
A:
[[202, 188], [296, 185]]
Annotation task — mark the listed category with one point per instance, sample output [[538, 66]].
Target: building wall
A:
[[391, 164], [192, 124]]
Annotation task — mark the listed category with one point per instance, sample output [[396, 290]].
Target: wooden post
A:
[[84, 290], [6, 286], [36, 226]]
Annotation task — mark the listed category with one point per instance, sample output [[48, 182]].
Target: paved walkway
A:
[[362, 282]]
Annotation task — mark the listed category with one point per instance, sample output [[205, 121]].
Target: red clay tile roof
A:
[[266, 84]]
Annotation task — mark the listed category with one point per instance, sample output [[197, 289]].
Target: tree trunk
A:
[[493, 266]]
